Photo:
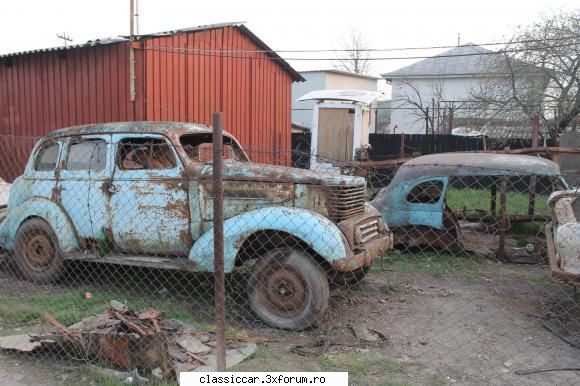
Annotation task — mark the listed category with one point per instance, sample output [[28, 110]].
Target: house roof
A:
[[119, 39], [340, 72], [465, 60]]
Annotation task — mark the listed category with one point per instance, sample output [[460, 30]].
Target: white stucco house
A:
[[325, 80], [441, 83]]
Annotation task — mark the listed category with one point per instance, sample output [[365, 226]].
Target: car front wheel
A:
[[288, 289]]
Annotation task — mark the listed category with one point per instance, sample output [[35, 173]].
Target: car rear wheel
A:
[[288, 289], [37, 252]]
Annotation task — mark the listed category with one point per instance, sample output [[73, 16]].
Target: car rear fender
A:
[[45, 209]]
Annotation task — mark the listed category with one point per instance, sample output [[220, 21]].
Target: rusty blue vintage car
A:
[[140, 193]]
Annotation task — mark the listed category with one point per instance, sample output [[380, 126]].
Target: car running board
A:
[[174, 263]]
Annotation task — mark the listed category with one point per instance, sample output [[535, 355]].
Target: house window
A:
[[87, 155], [145, 153], [47, 158], [428, 192]]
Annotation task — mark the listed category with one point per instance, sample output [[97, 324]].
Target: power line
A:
[[219, 53], [562, 38]]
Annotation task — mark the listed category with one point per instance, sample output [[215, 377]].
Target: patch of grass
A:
[[394, 383], [434, 263], [517, 203], [356, 364], [69, 307], [527, 229], [536, 279], [87, 376], [352, 362], [265, 351]]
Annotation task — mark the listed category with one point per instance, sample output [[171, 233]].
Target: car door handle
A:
[[113, 188]]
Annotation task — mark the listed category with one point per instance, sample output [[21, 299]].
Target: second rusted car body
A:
[[414, 203], [140, 193]]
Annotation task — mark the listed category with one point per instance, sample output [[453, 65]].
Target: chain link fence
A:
[[435, 271]]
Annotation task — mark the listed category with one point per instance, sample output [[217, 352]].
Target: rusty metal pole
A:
[[503, 224], [218, 242], [492, 204], [402, 149], [535, 143]]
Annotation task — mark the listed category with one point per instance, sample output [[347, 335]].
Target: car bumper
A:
[[365, 254]]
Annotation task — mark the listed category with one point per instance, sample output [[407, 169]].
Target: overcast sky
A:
[[295, 24]]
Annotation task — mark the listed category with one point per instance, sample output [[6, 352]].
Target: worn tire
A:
[[37, 253], [288, 289], [347, 279]]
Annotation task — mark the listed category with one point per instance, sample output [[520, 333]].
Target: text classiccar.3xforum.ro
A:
[[267, 379]]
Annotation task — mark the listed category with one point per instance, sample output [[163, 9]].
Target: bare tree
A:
[[538, 73], [355, 55], [429, 105]]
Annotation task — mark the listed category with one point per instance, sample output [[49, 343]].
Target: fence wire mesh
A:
[[420, 273]]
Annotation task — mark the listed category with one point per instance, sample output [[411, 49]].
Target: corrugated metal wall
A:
[[186, 84], [175, 81]]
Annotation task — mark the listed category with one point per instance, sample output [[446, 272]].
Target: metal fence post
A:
[[218, 226]]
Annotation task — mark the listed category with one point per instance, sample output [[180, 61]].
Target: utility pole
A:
[[132, 76], [131, 17], [64, 37]]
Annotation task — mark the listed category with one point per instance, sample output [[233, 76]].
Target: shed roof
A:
[[362, 96], [341, 72], [120, 39], [464, 60]]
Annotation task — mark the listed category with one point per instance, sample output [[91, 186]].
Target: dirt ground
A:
[[466, 327]]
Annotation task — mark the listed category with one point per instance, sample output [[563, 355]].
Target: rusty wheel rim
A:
[[38, 252], [283, 291]]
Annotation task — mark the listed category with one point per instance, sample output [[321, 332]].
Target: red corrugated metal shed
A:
[[182, 75]]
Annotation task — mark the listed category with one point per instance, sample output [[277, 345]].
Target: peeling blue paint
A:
[[317, 231]]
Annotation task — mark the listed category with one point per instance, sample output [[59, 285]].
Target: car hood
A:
[[248, 171]]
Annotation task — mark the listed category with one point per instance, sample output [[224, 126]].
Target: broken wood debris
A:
[[145, 340]]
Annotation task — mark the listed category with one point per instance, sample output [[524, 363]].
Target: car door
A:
[[40, 177], [415, 202], [149, 198], [86, 168]]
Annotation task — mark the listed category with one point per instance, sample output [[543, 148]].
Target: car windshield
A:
[[199, 148]]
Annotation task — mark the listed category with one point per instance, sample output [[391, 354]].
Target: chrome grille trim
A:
[[344, 202], [368, 230]]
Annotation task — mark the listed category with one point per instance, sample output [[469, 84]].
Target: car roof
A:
[[145, 127], [473, 164]]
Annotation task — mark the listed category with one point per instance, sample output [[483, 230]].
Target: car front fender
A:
[[43, 208], [321, 234]]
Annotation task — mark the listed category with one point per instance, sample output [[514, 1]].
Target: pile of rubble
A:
[[144, 340]]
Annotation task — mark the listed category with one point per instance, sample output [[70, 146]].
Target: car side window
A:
[[428, 192], [87, 155], [47, 157], [145, 154]]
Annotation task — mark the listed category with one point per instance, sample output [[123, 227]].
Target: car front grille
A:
[[346, 201]]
